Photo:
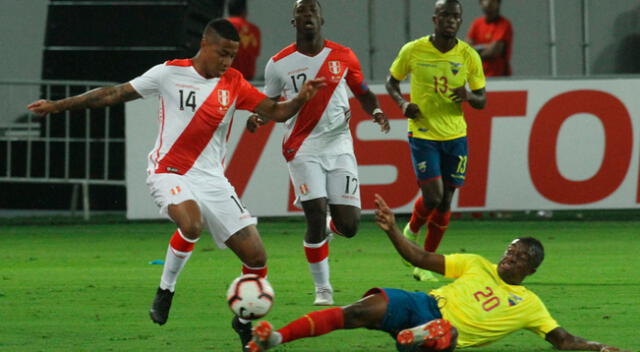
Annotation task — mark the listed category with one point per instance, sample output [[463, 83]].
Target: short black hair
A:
[[223, 28], [295, 3], [237, 7], [534, 249], [444, 2]]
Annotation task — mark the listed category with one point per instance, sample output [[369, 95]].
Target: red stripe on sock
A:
[[262, 272], [315, 255], [313, 324], [437, 226], [180, 244], [419, 215]]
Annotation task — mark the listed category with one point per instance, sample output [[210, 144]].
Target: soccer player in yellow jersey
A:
[[485, 303], [440, 66]]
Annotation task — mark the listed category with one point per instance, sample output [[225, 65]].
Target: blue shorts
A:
[[446, 159], [406, 310]]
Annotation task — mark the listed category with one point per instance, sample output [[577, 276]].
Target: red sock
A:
[[313, 324], [260, 271], [419, 215], [437, 226], [180, 243], [316, 254]]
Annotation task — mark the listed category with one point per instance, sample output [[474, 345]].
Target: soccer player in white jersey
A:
[[198, 98], [318, 146]]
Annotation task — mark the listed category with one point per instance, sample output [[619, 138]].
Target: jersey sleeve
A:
[[540, 322], [273, 85], [248, 96], [455, 265], [400, 67], [476, 77], [148, 84], [354, 77]]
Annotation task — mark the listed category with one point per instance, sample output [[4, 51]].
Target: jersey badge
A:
[[513, 300], [422, 166], [223, 99], [335, 68], [455, 67]]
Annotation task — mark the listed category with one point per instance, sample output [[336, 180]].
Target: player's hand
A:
[[382, 120], [385, 219], [254, 121], [410, 110], [42, 107], [459, 94], [310, 88]]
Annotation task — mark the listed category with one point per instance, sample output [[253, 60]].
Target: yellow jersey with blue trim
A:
[[483, 307], [434, 75]]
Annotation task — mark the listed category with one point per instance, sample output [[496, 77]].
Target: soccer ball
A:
[[250, 296]]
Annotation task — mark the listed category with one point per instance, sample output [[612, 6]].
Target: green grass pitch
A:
[[89, 287]]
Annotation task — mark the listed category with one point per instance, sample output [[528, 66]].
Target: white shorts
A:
[[334, 177], [221, 209]]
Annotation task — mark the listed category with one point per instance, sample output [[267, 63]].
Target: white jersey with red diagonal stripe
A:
[[195, 116], [322, 125]]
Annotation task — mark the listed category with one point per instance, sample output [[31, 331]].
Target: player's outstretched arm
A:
[[369, 103], [409, 109], [563, 340], [284, 110], [386, 220], [96, 98]]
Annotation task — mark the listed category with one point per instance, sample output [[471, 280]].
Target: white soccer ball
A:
[[250, 296]]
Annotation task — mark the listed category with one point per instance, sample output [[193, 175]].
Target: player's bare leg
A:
[[345, 220], [247, 245], [188, 217], [316, 249], [368, 313]]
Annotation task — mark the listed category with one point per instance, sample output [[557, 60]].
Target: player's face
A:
[[218, 54], [490, 7], [307, 17], [515, 263], [447, 20]]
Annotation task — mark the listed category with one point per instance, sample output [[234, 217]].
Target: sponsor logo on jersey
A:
[[223, 97], [173, 169]]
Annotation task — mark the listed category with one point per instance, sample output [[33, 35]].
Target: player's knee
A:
[[347, 229], [356, 315], [191, 229], [432, 201]]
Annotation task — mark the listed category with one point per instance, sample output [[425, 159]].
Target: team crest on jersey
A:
[[335, 67], [223, 97], [455, 67], [422, 166], [513, 300]]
